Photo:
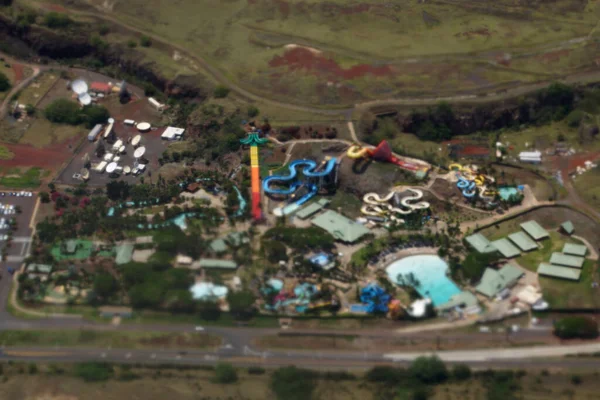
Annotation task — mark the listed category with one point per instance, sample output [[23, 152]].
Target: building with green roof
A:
[[124, 253], [340, 227], [480, 243], [494, 281], [566, 260], [573, 249], [70, 246], [567, 227], [235, 238], [463, 299], [554, 271], [535, 230], [506, 248], [312, 209], [523, 241], [211, 263]]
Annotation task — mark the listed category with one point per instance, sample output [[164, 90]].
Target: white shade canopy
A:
[[139, 152]]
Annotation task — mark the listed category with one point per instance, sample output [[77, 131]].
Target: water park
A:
[[393, 206], [305, 179], [296, 297]]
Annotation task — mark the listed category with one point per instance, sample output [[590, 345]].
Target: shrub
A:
[[429, 370], [576, 380], [63, 111], [576, 328], [384, 374], [291, 383], [30, 109], [131, 43], [461, 372], [225, 373], [574, 118], [145, 41], [221, 91], [256, 370], [33, 369], [103, 30], [93, 371]]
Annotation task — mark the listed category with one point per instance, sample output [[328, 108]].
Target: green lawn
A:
[[348, 203], [588, 187], [87, 338], [17, 179], [84, 250], [43, 133], [5, 153], [560, 293], [34, 92], [555, 243]]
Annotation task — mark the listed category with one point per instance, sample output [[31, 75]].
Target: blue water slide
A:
[[308, 171], [467, 187]]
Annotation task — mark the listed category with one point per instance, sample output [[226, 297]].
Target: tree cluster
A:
[[64, 111]]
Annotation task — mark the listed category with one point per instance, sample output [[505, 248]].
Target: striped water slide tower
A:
[[253, 140]]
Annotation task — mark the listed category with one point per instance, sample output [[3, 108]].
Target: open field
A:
[[16, 178], [588, 187], [35, 92], [130, 340], [560, 293], [341, 52], [56, 382]]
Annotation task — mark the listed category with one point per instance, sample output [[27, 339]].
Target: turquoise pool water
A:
[[430, 272], [276, 284], [506, 192], [207, 290]]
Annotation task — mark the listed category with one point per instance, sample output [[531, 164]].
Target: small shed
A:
[[567, 227]]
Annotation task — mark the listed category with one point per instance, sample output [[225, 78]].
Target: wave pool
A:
[[430, 279]]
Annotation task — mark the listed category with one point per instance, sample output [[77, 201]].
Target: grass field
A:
[[43, 133], [131, 340], [560, 293], [7, 70], [37, 89], [22, 179], [353, 51], [531, 260], [5, 153], [588, 187]]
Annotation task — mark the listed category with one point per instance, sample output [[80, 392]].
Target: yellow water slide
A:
[[356, 151]]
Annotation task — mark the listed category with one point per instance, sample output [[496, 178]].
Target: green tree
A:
[[576, 328], [105, 285], [30, 109], [241, 304], [44, 197], [225, 373], [291, 383], [221, 91], [209, 310], [94, 114], [429, 370], [145, 41], [103, 29], [63, 111], [56, 20], [253, 111], [131, 43], [4, 83], [461, 372]]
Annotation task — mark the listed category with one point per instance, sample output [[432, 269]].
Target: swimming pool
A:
[[506, 192], [206, 290], [430, 274]]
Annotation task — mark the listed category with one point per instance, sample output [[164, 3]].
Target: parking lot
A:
[[9, 201], [151, 140]]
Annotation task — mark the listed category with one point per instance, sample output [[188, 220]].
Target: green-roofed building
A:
[[211, 263], [218, 246], [573, 249], [463, 299], [535, 230], [555, 271], [494, 281], [480, 243], [506, 248], [567, 227], [235, 238], [566, 260], [340, 227], [523, 241], [312, 209], [124, 253]]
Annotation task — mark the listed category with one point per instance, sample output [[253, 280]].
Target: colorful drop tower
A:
[[253, 140]]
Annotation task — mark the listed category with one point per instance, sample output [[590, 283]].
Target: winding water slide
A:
[[310, 170], [380, 206], [383, 152]]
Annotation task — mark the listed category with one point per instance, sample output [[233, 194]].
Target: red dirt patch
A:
[[55, 7], [18, 70], [475, 32], [304, 59], [50, 158], [554, 56]]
